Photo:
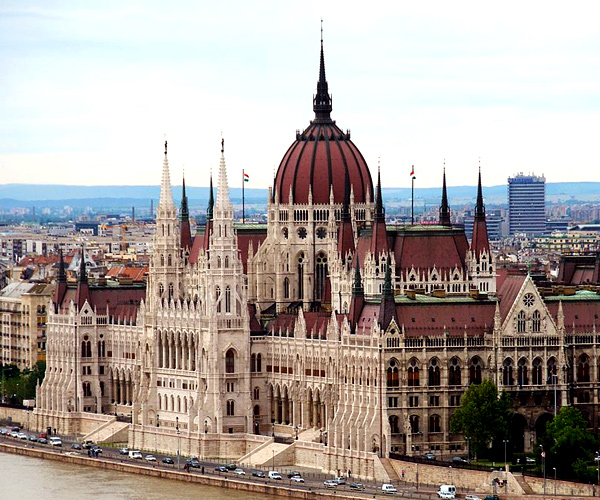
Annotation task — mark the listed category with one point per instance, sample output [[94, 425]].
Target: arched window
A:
[[434, 423], [321, 275], [259, 362], [395, 428], [551, 371], [536, 323], [219, 262], [162, 260], [521, 322], [414, 424], [253, 363], [507, 372], [583, 369], [86, 349], [87, 390], [169, 260], [434, 373], [475, 371], [536, 375], [227, 262], [161, 289], [454, 372], [256, 411], [300, 277], [170, 291], [218, 298], [227, 299], [392, 374], [286, 288], [256, 393], [522, 375], [230, 361], [230, 408], [413, 373]]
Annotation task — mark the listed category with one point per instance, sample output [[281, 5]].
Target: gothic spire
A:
[[62, 276], [166, 194], [82, 272], [322, 100], [185, 233], [379, 213], [479, 240], [211, 201], [387, 309], [346, 232], [357, 286], [184, 213], [358, 299], [83, 289], [223, 200], [444, 207], [479, 207]]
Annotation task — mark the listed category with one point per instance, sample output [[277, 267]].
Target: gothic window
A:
[[321, 275], [413, 373], [253, 363], [163, 229], [87, 390], [230, 408], [86, 349], [414, 424], [169, 260], [161, 289], [395, 428], [259, 362], [551, 370], [536, 375], [219, 262], [256, 411], [218, 298], [583, 369], [434, 423], [256, 393], [475, 371], [528, 300], [392, 374], [227, 300], [302, 233], [321, 233], [522, 376], [286, 288], [170, 291], [521, 322], [300, 276], [230, 361], [507, 372], [162, 260], [454, 372], [227, 262], [536, 323], [284, 232], [434, 373]]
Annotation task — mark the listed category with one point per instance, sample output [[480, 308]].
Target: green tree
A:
[[483, 416], [568, 441]]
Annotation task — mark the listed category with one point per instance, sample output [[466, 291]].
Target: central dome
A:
[[320, 157]]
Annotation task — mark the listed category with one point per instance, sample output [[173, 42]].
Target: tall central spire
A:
[[444, 207], [223, 201], [166, 194], [479, 207], [322, 100]]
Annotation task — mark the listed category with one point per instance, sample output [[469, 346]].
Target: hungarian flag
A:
[[412, 172], [246, 177]]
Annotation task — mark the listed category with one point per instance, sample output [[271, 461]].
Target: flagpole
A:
[[243, 201], [412, 199]]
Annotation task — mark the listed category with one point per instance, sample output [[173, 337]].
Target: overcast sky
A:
[[87, 93]]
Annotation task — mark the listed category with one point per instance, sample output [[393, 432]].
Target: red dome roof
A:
[[320, 158]]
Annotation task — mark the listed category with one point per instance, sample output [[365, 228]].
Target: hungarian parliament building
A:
[[325, 336]]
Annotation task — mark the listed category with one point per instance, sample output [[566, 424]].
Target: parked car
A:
[[168, 460], [340, 480], [388, 488], [55, 441], [293, 473], [193, 462], [124, 451], [32, 438], [150, 458], [239, 472], [22, 435], [460, 461], [220, 468], [330, 483], [357, 486], [137, 455], [273, 474], [231, 466], [42, 441], [297, 479], [429, 456], [258, 473]]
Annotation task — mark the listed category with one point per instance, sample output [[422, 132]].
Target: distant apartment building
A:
[[23, 316], [572, 242], [526, 203]]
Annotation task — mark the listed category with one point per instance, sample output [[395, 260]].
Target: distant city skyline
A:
[[88, 93]]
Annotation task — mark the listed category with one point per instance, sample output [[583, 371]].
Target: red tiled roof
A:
[[507, 294], [122, 302]]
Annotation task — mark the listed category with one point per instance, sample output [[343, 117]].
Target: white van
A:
[[388, 488], [55, 441], [447, 491], [273, 474], [135, 454]]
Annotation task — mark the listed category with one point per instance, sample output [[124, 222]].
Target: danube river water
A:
[[26, 478]]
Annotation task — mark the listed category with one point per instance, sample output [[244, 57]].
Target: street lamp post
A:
[[178, 439], [505, 441], [273, 462], [544, 466], [554, 480], [598, 464]]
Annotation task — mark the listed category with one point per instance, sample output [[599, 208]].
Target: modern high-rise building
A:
[[526, 202]]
